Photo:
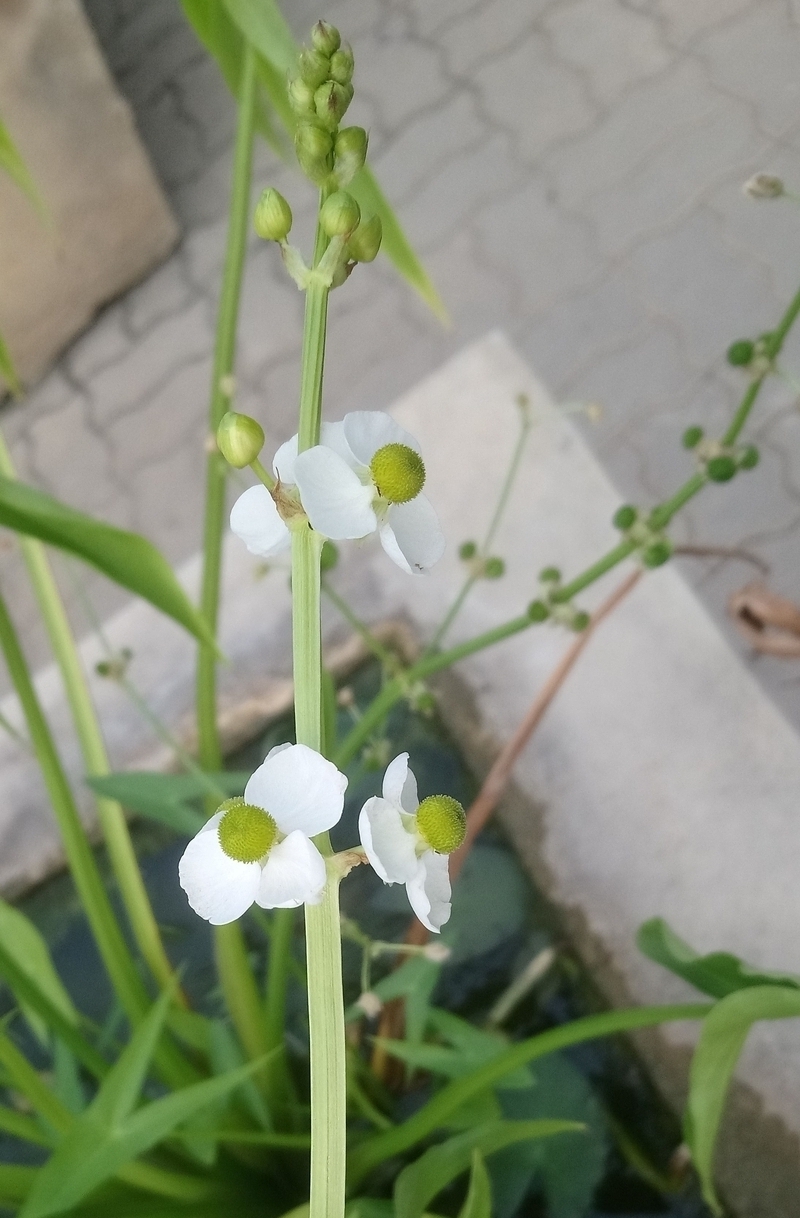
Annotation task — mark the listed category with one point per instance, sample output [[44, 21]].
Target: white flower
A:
[[367, 474], [258, 848], [407, 842]]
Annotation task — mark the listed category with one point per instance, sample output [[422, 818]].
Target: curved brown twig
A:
[[770, 623]]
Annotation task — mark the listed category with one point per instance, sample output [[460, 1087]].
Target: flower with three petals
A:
[[407, 842], [366, 475], [259, 848]]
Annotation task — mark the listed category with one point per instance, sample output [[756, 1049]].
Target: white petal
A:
[[336, 501], [293, 873], [219, 889], [389, 847], [284, 459], [332, 436], [299, 788], [368, 430], [429, 891], [412, 537], [255, 519], [400, 785]]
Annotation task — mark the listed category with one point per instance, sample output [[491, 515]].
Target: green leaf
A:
[[16, 1182], [490, 903], [263, 24], [128, 559], [717, 974], [21, 942], [423, 1180], [479, 1198], [166, 798], [721, 1041], [7, 370], [13, 164]]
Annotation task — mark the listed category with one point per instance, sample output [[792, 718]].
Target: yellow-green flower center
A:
[[246, 833], [398, 472], [442, 822]]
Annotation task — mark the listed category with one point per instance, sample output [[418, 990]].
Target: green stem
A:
[[121, 853], [280, 952], [224, 354], [386, 657], [239, 988], [438, 1111]]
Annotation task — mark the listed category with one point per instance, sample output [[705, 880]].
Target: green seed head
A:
[[342, 64], [301, 97], [246, 833], [550, 575], [339, 214], [365, 242], [331, 101], [467, 550], [325, 38], [721, 469], [314, 148], [657, 553], [350, 151], [239, 439], [442, 822], [692, 437], [580, 621], [314, 66], [741, 353], [624, 517], [494, 568], [538, 611], [273, 216], [398, 473], [749, 457]]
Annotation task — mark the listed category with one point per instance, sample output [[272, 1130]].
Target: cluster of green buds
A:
[[653, 546], [550, 604], [330, 156], [478, 565], [755, 356], [719, 462]]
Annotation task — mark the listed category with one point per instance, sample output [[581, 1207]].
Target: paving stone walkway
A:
[[569, 169]]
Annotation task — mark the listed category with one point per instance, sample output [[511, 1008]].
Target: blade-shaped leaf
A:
[[12, 162], [479, 1198], [93, 1151], [128, 559], [263, 24], [16, 1182], [423, 1180], [167, 797], [717, 974], [121, 1087], [21, 941], [8, 372], [721, 1041]]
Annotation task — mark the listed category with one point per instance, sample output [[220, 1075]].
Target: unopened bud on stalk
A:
[[273, 216], [342, 63], [741, 353], [721, 469], [467, 550], [325, 38], [748, 457], [580, 621], [538, 611], [365, 242], [331, 101], [625, 516], [350, 150], [550, 575], [764, 186], [692, 437], [239, 439], [494, 568], [314, 148], [339, 214], [657, 553], [314, 66], [301, 97]]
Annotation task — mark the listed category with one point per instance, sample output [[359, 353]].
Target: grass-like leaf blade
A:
[[166, 798], [478, 1203], [717, 974]]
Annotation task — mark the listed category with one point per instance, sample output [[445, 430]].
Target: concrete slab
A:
[[662, 781]]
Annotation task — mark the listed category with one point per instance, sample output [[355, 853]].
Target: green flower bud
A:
[[301, 97], [342, 64], [314, 148], [764, 186], [721, 469], [624, 516], [273, 216], [442, 822], [467, 550], [246, 833], [365, 242], [314, 66], [350, 150], [749, 457], [740, 353], [692, 437], [494, 568], [657, 553], [325, 38], [580, 621], [538, 611], [550, 575], [398, 473], [339, 214], [239, 439], [329, 556], [330, 102]]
